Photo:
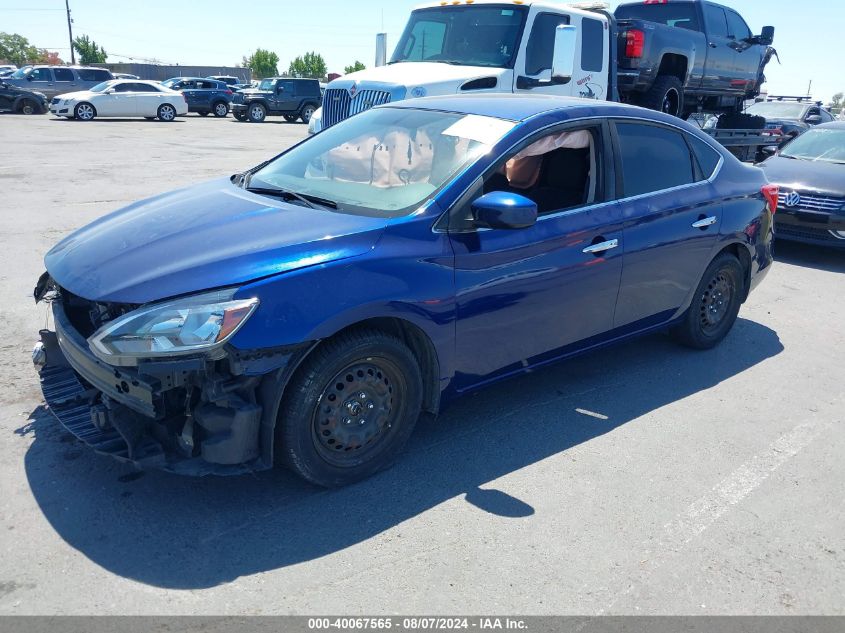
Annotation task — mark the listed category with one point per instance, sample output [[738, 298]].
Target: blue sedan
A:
[[305, 312]]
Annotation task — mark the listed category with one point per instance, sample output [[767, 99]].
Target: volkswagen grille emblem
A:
[[353, 90], [793, 199]]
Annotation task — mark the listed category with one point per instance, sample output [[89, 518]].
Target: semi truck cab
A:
[[472, 46]]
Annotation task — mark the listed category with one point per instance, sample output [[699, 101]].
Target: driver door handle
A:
[[601, 247], [704, 222]]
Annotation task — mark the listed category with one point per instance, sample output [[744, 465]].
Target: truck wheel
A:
[[306, 112], [349, 409], [220, 109], [666, 95], [240, 116], [715, 304], [256, 113]]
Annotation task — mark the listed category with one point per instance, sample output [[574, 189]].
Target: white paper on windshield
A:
[[483, 129]]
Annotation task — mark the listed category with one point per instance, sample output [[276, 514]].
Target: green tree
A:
[[89, 52], [311, 65], [16, 49], [836, 104], [354, 68], [263, 63]]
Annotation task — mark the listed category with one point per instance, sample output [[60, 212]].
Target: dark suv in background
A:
[[204, 96], [278, 96]]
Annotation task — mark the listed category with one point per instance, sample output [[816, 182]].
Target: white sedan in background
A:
[[121, 98]]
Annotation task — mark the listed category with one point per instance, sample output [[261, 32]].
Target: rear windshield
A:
[[680, 14]]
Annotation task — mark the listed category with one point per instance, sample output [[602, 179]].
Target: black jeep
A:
[[278, 96]]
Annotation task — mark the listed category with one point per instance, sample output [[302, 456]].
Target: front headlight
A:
[[316, 122], [183, 326]]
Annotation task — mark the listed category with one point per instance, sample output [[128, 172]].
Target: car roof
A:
[[836, 125], [521, 107]]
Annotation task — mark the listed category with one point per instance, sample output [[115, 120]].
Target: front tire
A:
[[350, 408], [666, 95], [715, 304], [84, 112], [256, 113], [28, 106], [166, 113], [307, 112]]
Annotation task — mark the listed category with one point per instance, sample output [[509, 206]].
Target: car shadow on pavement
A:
[[824, 258], [185, 533]]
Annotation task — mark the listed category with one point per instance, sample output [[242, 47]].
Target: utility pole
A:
[[70, 33]]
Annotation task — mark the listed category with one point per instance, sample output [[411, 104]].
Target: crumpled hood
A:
[[435, 78], [207, 236], [820, 177]]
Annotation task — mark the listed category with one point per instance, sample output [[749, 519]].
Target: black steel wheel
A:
[[349, 409], [715, 304]]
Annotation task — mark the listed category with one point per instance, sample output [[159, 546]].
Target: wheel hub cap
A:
[[716, 302], [355, 409]]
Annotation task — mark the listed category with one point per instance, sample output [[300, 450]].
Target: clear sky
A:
[[221, 32]]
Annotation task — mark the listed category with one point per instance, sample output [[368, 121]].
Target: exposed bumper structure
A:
[[190, 416]]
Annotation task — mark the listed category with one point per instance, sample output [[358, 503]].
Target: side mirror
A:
[[813, 119], [29, 77], [770, 150], [503, 210], [563, 58], [767, 36]]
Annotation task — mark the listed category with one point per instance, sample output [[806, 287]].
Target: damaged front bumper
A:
[[191, 415]]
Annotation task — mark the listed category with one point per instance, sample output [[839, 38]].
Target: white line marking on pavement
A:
[[701, 514]]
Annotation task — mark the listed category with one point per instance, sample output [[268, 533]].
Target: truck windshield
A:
[[385, 162], [469, 35], [680, 14]]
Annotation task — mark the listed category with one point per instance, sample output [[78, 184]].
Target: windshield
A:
[[169, 83], [102, 86], [823, 144], [466, 35], [21, 72], [267, 84], [384, 162], [777, 110]]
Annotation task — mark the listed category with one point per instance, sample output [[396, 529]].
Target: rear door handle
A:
[[704, 222], [601, 247]]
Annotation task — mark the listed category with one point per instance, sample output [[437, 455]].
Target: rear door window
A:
[[94, 74], [653, 158], [717, 23], [63, 74], [592, 45]]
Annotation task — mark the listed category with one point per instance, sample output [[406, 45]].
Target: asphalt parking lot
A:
[[647, 479]]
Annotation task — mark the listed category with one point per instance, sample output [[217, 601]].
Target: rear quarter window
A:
[[706, 157], [653, 158]]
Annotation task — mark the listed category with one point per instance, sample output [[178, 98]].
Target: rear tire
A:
[[350, 409], [715, 304], [256, 113], [166, 112], [220, 109], [666, 95], [84, 112]]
